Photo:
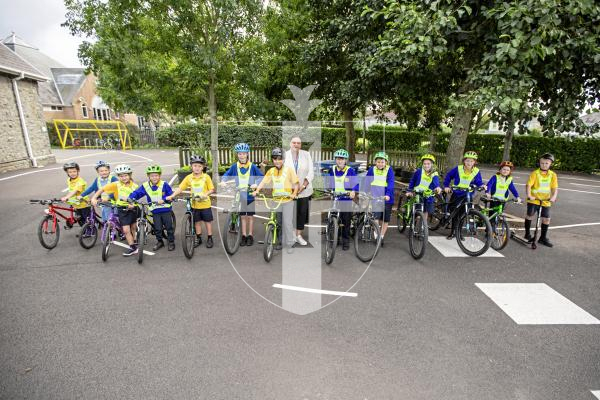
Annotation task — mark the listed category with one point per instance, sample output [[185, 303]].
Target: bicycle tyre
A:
[[43, 232], [366, 232], [504, 234], [92, 231], [141, 240], [418, 221], [187, 235], [331, 238], [106, 239], [232, 229], [269, 245], [459, 233], [434, 220], [401, 214]]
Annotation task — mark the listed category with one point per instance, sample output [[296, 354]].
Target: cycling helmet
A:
[[241, 148], [123, 169], [277, 152], [507, 164], [102, 164], [547, 156], [197, 160], [470, 154], [341, 153], [428, 156], [154, 169], [70, 165], [381, 154]]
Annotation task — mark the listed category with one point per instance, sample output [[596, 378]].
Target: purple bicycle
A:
[[111, 230], [89, 231]]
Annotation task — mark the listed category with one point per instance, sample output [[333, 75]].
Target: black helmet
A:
[[71, 165], [277, 152], [197, 160], [547, 156]]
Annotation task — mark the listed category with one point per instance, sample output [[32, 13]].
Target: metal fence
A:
[[147, 136], [408, 160], [257, 154]]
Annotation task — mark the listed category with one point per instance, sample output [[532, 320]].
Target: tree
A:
[[177, 55]]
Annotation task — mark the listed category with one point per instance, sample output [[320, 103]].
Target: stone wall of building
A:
[[13, 152]]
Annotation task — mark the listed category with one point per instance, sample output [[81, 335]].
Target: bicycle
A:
[[500, 228], [366, 237], [88, 235], [49, 227], [333, 225], [272, 227], [112, 227], [232, 228], [188, 229], [470, 223], [411, 213]]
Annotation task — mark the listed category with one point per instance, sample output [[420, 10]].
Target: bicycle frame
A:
[[273, 214], [112, 223]]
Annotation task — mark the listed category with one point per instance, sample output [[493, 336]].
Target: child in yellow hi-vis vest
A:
[[76, 185], [542, 190]]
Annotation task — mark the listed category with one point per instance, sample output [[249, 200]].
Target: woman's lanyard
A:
[[296, 161]]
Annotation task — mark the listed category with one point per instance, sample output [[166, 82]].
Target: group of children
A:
[[120, 191]]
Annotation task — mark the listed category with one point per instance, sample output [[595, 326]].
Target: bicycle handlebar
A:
[[45, 202], [278, 200]]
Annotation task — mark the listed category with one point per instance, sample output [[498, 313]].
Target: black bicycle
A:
[[367, 238], [473, 231], [232, 233], [411, 213], [333, 225]]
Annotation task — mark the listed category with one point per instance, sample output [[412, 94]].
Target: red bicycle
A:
[[49, 227]]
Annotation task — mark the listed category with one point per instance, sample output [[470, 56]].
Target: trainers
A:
[[249, 240], [198, 241], [171, 246], [243, 241], [300, 240], [158, 245], [450, 236], [381, 241], [130, 252], [528, 237], [278, 246], [209, 242], [545, 242]]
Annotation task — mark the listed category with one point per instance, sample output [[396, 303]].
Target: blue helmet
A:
[[102, 164], [241, 148]]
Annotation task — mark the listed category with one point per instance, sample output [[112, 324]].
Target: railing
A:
[[408, 159], [257, 154]]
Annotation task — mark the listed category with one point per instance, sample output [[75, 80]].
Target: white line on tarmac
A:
[[560, 189], [583, 184], [318, 291], [127, 246], [135, 155], [566, 226], [596, 393], [83, 156]]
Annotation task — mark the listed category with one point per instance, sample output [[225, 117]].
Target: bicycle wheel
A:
[[331, 237], [49, 232], [401, 213], [141, 240], [474, 233], [434, 219], [501, 234], [269, 243], [187, 233], [106, 242], [366, 240], [88, 235], [231, 233], [418, 234]]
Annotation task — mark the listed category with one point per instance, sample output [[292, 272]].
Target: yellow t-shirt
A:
[[78, 186], [198, 185], [112, 188], [539, 191], [286, 173]]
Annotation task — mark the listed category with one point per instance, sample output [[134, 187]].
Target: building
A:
[[24, 139], [69, 93]]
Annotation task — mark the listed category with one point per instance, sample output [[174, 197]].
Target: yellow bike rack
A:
[[66, 127]]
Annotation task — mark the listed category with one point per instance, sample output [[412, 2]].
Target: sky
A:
[[37, 22]]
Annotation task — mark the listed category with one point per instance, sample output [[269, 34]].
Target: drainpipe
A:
[[22, 118]]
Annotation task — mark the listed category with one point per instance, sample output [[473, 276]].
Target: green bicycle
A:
[[272, 229], [411, 213], [500, 228]]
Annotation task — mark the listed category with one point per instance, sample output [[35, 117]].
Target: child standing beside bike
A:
[[501, 184], [76, 186], [128, 213], [245, 173], [201, 186], [462, 176], [425, 178], [156, 191], [104, 178], [380, 182], [343, 180], [542, 190]]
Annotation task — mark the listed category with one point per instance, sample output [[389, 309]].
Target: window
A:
[[84, 110], [141, 121], [56, 108]]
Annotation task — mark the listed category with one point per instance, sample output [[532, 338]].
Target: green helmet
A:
[[154, 169], [382, 154], [470, 154], [428, 156], [341, 153]]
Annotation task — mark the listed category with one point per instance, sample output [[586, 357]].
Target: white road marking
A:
[[135, 155], [583, 184], [172, 179], [560, 189], [535, 304], [566, 226], [126, 246], [58, 168], [317, 291], [83, 156], [449, 248], [596, 393]]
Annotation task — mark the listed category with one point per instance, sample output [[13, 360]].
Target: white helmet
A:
[[123, 169]]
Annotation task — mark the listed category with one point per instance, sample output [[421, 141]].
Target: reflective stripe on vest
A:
[[544, 183], [198, 185], [123, 193], [380, 176], [501, 192], [465, 180], [156, 195], [279, 184], [340, 180], [243, 178], [425, 180]]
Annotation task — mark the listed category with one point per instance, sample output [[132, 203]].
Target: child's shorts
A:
[[532, 209], [83, 214], [386, 215], [248, 208], [128, 217], [203, 214]]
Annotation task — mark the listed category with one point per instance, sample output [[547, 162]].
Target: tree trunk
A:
[[510, 131], [458, 137], [214, 140], [350, 134], [432, 138]]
